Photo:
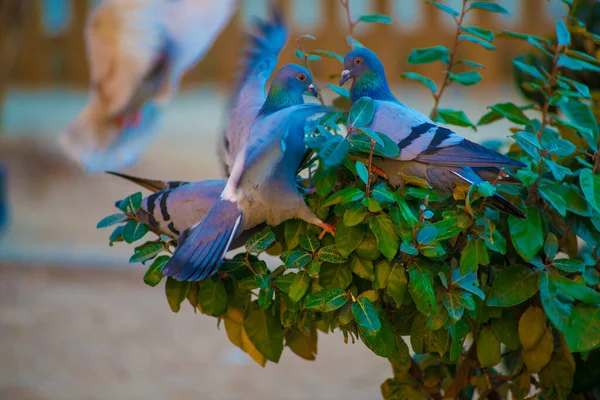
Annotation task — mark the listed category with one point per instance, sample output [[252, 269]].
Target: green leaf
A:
[[299, 54], [452, 117], [368, 249], [371, 134], [264, 331], [111, 220], [335, 276], [445, 8], [329, 54], [293, 230], [427, 235], [116, 235], [309, 242], [557, 305], [569, 265], [471, 63], [420, 287], [362, 268], [339, 90], [473, 255], [380, 18], [362, 144], [366, 316], [486, 189], [527, 234], [146, 252], [488, 348], [514, 285], [467, 282], [506, 329], [355, 214], [154, 274], [299, 286], [397, 284], [429, 55], [326, 300], [362, 172], [383, 343], [538, 357], [176, 292], [131, 204], [387, 237], [362, 112], [583, 328], [134, 231], [582, 119], [344, 196], [330, 254], [325, 180], [481, 33], [529, 69], [314, 268], [454, 301], [575, 64], [477, 40], [576, 290], [212, 297], [590, 185], [297, 259], [532, 326], [561, 148], [556, 378], [333, 152], [489, 6], [260, 241], [554, 199], [558, 171], [420, 78], [466, 78], [511, 112], [562, 33], [551, 245]]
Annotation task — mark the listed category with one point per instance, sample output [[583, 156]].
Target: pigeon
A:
[[138, 50], [428, 151], [262, 186], [261, 53], [175, 206]]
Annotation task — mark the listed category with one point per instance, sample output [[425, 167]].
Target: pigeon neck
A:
[[373, 85], [279, 98]]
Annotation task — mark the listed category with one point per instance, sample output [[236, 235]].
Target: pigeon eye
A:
[[301, 77], [358, 61]]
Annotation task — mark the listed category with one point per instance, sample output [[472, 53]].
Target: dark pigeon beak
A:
[[312, 90], [345, 76]]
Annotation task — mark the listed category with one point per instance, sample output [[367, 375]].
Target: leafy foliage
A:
[[490, 302]]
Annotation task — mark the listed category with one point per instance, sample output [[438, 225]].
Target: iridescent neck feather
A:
[[373, 85], [280, 98]]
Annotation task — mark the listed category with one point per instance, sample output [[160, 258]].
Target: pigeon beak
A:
[[312, 90], [345, 76]]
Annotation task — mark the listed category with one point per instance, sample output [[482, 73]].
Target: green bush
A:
[[488, 302]]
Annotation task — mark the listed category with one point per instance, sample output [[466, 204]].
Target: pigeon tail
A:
[[201, 248]]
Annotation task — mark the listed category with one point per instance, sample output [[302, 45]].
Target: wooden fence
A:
[[59, 58]]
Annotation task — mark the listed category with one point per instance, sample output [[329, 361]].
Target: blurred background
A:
[[76, 320]]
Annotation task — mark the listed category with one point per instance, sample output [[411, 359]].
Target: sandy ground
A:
[[102, 334]]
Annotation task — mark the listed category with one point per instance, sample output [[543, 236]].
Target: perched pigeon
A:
[[138, 51], [260, 59], [262, 186], [428, 151], [175, 206]]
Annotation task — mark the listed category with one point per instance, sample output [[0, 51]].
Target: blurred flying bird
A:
[[260, 58], [175, 206], [428, 151], [138, 50], [262, 186]]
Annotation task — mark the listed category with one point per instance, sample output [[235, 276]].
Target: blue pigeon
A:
[[138, 50], [175, 206], [262, 186], [258, 63], [428, 151]]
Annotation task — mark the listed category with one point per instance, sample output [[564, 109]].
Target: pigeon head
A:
[[368, 75], [294, 79], [288, 85]]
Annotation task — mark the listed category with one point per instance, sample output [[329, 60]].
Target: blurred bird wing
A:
[[260, 59], [125, 39], [266, 147], [467, 154]]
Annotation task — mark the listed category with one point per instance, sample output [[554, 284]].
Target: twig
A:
[[437, 96], [370, 168], [307, 63], [351, 23]]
